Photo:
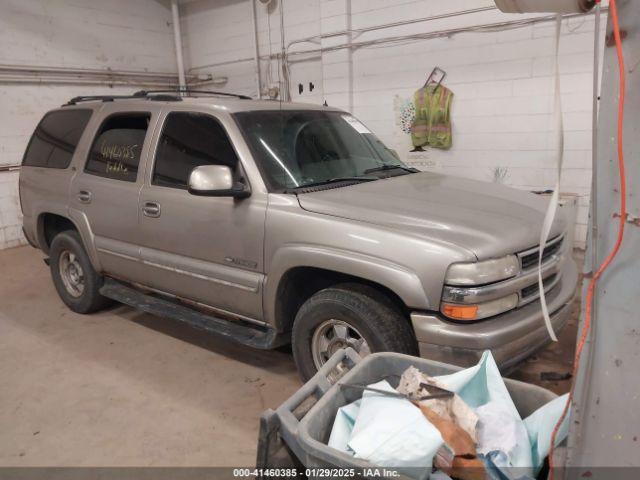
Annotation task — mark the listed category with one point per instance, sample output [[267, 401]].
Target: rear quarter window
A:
[[55, 139]]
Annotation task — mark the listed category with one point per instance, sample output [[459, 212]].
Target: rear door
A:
[[205, 249], [106, 188]]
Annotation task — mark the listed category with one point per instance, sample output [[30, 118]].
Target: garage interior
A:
[[125, 388]]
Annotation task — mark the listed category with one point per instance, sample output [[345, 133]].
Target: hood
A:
[[487, 219]]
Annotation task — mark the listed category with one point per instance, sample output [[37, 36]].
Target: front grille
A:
[[533, 289], [530, 259]]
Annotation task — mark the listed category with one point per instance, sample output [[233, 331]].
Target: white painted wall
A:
[[219, 32], [117, 34], [502, 80]]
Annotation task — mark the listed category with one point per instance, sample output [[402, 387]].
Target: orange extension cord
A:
[[616, 247]]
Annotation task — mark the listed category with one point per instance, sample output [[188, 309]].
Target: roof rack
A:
[[188, 92], [111, 98], [90, 98], [165, 95]]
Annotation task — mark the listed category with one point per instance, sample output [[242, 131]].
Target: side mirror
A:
[[216, 181]]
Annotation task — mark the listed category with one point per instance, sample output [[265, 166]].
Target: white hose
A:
[[553, 203]]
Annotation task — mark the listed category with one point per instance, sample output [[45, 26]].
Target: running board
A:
[[252, 336]]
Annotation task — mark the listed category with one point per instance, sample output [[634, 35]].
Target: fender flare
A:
[[81, 222], [397, 278]]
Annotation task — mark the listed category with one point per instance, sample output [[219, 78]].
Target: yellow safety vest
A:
[[432, 123]]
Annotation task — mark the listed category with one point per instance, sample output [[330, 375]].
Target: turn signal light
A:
[[460, 312], [479, 311]]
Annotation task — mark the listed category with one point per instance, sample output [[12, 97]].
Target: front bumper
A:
[[511, 337]]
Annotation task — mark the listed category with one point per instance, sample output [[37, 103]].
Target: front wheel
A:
[[340, 317]]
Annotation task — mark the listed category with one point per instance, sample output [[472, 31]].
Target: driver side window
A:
[[189, 140]]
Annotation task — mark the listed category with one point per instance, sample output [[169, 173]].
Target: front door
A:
[[203, 249]]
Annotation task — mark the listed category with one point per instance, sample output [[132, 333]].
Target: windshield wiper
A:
[[335, 180], [386, 167]]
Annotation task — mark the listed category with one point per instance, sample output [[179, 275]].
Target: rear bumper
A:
[[511, 337]]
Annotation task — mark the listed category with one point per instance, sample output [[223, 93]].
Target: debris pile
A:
[[463, 425]]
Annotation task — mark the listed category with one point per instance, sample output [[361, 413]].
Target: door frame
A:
[[100, 245], [248, 281]]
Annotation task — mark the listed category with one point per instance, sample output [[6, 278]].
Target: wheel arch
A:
[[50, 223], [298, 272]]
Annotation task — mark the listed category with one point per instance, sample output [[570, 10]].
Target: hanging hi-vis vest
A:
[[432, 123]]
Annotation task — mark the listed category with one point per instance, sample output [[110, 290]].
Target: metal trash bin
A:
[[297, 432]]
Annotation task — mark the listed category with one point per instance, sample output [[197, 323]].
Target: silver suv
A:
[[272, 223]]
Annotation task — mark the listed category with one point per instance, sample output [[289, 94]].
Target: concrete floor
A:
[[122, 388]]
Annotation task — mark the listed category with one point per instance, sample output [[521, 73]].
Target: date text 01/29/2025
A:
[[316, 472]]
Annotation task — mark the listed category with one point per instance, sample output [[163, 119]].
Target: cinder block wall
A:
[[116, 34], [502, 80]]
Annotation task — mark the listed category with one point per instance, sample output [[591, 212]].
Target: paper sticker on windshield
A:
[[359, 127]]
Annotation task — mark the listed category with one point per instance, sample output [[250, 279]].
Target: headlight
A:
[[480, 273], [480, 310]]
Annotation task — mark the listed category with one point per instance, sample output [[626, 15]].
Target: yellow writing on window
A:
[[118, 152], [117, 167]]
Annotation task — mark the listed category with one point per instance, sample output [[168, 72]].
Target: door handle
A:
[[84, 196], [151, 209]]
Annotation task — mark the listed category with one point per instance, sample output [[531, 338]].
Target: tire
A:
[[367, 313], [77, 283]]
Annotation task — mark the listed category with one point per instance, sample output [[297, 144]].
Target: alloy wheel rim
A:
[[332, 335], [71, 273]]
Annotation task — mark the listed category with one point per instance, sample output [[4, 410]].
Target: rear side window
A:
[[117, 147], [56, 138], [189, 140]]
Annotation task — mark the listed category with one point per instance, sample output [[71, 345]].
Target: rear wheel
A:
[[342, 316], [77, 283]]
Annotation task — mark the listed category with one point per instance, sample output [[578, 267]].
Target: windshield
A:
[[300, 148]]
